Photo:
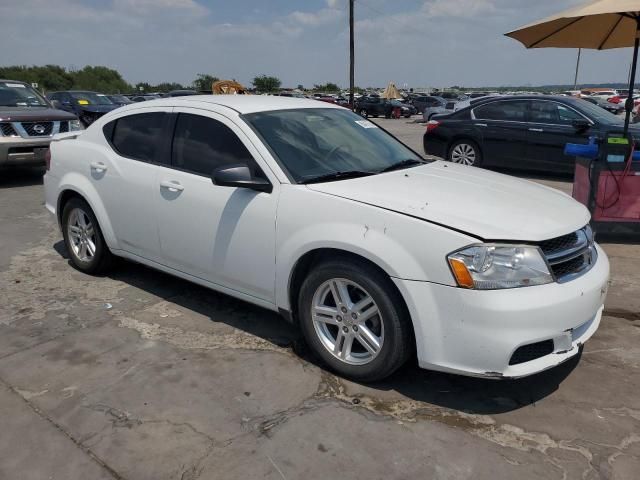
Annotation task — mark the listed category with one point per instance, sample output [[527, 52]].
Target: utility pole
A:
[[351, 56], [575, 79]]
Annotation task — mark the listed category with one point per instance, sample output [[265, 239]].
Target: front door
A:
[[224, 235], [551, 128]]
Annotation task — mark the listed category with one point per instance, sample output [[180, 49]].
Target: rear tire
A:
[[465, 152], [364, 113], [83, 238], [365, 334]]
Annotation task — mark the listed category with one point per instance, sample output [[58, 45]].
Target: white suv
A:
[[312, 211]]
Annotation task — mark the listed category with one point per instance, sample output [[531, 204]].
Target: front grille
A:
[[570, 256], [64, 127], [526, 353], [8, 130], [38, 129]]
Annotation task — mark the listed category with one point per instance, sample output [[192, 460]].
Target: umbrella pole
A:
[[632, 80]]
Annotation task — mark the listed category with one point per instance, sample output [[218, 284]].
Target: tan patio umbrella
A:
[[599, 25], [391, 91]]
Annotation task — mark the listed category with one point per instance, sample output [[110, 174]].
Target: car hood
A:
[[484, 204], [33, 114]]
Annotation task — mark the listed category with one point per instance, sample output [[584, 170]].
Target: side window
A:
[[202, 144], [552, 113], [514, 111], [568, 115], [137, 136]]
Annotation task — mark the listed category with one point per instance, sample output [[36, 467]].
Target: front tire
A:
[[83, 238], [354, 320], [364, 113], [465, 152]]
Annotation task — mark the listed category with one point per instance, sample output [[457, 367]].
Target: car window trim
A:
[[163, 144], [502, 100], [172, 133], [569, 107]]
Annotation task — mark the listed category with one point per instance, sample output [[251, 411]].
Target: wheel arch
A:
[[306, 262], [80, 187]]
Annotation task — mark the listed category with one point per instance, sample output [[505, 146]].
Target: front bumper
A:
[[476, 333], [16, 151]]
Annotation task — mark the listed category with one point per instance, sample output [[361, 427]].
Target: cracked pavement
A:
[[138, 375]]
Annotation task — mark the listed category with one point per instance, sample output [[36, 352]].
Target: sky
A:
[[420, 43]]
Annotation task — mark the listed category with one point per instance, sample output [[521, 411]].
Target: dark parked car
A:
[[88, 106], [181, 93], [527, 132], [119, 100], [373, 106], [143, 97]]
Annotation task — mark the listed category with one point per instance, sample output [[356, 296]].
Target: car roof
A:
[[13, 81], [240, 103]]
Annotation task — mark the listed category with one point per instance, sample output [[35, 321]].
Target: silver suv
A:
[[27, 124]]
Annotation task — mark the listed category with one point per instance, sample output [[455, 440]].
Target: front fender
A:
[[402, 246]]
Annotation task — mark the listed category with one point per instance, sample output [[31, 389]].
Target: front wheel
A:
[[364, 113], [354, 320], [465, 152]]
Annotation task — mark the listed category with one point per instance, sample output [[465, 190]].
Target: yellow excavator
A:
[[227, 87]]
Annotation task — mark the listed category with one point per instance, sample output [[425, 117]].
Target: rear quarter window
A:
[[138, 136]]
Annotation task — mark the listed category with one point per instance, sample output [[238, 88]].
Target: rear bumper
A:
[[15, 151], [434, 146], [476, 333]]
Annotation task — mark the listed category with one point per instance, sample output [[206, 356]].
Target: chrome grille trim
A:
[[570, 256], [22, 131]]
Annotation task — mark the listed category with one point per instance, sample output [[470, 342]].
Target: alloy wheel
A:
[[347, 321], [82, 235], [464, 154]]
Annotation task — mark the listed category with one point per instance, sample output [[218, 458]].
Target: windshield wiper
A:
[[410, 162], [337, 176]]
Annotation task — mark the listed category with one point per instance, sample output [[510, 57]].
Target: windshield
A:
[[20, 95], [91, 98], [598, 113], [119, 99], [317, 142]]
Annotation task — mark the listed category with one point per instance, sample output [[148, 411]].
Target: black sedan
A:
[[522, 132]]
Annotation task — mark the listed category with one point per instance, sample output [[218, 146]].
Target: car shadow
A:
[[465, 394], [11, 177]]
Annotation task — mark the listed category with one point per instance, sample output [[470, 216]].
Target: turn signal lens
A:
[[463, 277]]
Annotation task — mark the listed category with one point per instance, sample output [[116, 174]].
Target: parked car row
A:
[[381, 107]]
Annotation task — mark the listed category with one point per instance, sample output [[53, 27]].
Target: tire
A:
[[379, 342], [407, 116], [465, 152], [364, 113], [83, 238]]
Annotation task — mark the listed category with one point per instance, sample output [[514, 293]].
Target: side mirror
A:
[[240, 176], [581, 125]]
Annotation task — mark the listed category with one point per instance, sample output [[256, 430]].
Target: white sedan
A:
[[314, 212]]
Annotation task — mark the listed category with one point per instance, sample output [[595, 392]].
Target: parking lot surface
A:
[[139, 375]]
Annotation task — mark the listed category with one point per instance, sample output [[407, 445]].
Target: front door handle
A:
[[480, 124], [171, 185], [98, 166], [536, 130]]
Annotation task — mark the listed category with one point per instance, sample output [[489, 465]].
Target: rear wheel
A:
[[465, 152], [83, 238], [354, 320], [363, 113]]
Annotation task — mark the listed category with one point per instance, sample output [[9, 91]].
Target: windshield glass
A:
[[119, 99], [91, 98], [316, 142], [20, 95], [598, 113]]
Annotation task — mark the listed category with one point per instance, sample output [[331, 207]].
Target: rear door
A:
[[502, 126], [125, 178], [550, 129]]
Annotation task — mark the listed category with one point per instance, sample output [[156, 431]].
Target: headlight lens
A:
[[74, 125], [492, 267]]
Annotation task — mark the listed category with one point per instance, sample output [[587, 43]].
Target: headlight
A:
[[74, 125], [493, 266]]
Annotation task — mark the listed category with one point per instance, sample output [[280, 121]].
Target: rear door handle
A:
[[171, 185], [536, 130], [98, 166]]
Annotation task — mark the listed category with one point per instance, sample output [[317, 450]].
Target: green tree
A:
[[203, 82], [100, 79], [266, 84], [48, 77], [326, 87]]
